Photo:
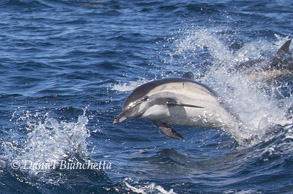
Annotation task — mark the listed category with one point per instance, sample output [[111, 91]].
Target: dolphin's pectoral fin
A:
[[167, 130]]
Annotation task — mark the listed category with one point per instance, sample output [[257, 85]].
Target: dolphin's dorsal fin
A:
[[284, 48], [167, 130], [188, 75]]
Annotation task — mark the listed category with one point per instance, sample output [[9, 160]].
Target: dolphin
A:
[[178, 101], [280, 64]]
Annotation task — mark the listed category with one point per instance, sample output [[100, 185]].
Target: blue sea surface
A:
[[68, 65]]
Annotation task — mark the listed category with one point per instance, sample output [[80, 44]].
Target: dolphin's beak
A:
[[120, 118], [115, 121]]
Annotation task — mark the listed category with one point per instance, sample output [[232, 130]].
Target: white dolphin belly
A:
[[210, 116]]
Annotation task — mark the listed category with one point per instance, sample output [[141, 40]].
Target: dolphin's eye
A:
[[145, 98]]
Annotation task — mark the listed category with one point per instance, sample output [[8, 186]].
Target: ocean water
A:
[[68, 65]]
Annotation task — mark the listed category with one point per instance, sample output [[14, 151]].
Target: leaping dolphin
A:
[[280, 64], [178, 101]]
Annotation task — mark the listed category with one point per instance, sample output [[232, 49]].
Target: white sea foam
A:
[[47, 142], [195, 41], [125, 87], [148, 188]]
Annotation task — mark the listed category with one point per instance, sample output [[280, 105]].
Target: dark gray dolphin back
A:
[[142, 90]]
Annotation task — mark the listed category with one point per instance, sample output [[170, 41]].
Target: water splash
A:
[[148, 188], [125, 87], [47, 142], [247, 98], [194, 42]]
